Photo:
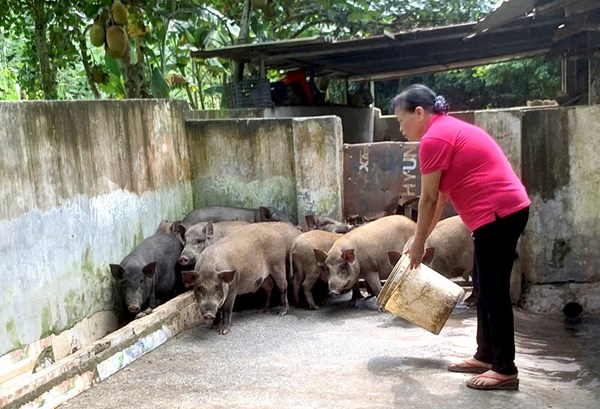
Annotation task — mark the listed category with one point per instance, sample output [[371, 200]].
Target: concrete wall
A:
[[80, 184], [386, 128], [357, 123], [505, 126], [561, 170], [556, 150], [292, 164]]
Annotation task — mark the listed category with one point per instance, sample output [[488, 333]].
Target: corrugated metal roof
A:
[[518, 28]]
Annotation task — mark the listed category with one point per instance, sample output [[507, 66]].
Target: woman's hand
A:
[[415, 251]]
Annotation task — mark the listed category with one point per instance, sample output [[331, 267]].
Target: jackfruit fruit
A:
[[97, 35], [119, 13], [116, 42]]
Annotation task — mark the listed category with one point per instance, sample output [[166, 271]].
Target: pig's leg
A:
[[356, 295], [307, 286], [296, 284], [218, 319], [227, 309], [280, 279], [267, 286], [152, 296], [373, 283]]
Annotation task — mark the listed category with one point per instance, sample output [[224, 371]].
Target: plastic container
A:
[[421, 296]]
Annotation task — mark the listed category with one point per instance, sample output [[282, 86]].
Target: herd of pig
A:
[[222, 252]]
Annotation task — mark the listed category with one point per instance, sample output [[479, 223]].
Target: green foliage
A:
[[45, 50], [491, 86]]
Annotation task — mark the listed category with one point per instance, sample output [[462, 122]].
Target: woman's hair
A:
[[419, 95]]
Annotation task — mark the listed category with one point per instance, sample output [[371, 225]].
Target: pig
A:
[[201, 235], [223, 213], [315, 222], [171, 229], [449, 250], [363, 253], [305, 269], [147, 275], [238, 264], [289, 234]]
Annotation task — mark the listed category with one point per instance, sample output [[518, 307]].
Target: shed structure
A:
[[565, 29]]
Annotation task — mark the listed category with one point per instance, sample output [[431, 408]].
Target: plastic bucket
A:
[[421, 296]]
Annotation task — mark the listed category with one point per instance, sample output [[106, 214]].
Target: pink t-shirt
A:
[[475, 172]]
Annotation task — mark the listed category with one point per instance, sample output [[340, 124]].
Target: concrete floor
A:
[[342, 357]]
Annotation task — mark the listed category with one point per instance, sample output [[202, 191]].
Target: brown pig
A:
[[363, 253], [448, 250], [201, 235], [306, 271], [316, 222], [238, 264]]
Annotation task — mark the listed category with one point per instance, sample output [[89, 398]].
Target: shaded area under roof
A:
[[510, 32]]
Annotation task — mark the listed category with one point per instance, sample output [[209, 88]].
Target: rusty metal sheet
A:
[[378, 177]]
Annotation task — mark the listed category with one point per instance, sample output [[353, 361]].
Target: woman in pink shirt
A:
[[462, 163]]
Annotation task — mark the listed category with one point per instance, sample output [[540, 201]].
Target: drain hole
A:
[[572, 309]]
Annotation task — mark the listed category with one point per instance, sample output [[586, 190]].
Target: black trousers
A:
[[495, 246]]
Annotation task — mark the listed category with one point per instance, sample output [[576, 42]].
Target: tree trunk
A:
[[243, 38], [47, 74], [86, 66], [132, 74]]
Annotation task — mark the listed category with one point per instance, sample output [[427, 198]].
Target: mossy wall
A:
[[291, 164], [555, 150], [81, 183]]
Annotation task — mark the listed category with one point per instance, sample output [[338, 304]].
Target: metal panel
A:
[[378, 177]]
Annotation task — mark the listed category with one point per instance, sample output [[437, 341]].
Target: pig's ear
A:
[[321, 256], [180, 230], [311, 221], [164, 226], [394, 256], [149, 269], [265, 213], [348, 256], [189, 277], [117, 271], [227, 276], [429, 254], [209, 230]]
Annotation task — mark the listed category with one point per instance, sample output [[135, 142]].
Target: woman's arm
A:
[[429, 214], [441, 204]]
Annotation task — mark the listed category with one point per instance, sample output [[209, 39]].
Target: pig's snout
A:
[[209, 316], [334, 293], [134, 308], [184, 261]]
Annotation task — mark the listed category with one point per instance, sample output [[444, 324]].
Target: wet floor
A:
[[342, 357]]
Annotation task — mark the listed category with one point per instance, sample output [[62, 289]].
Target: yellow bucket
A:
[[421, 296]]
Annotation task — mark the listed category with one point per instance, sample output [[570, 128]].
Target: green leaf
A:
[[112, 66], [158, 85]]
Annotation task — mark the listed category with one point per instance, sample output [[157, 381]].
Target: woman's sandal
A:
[[510, 384], [467, 366]]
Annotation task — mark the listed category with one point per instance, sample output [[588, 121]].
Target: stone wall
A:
[[555, 152], [80, 184], [561, 170], [357, 123], [292, 164]]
